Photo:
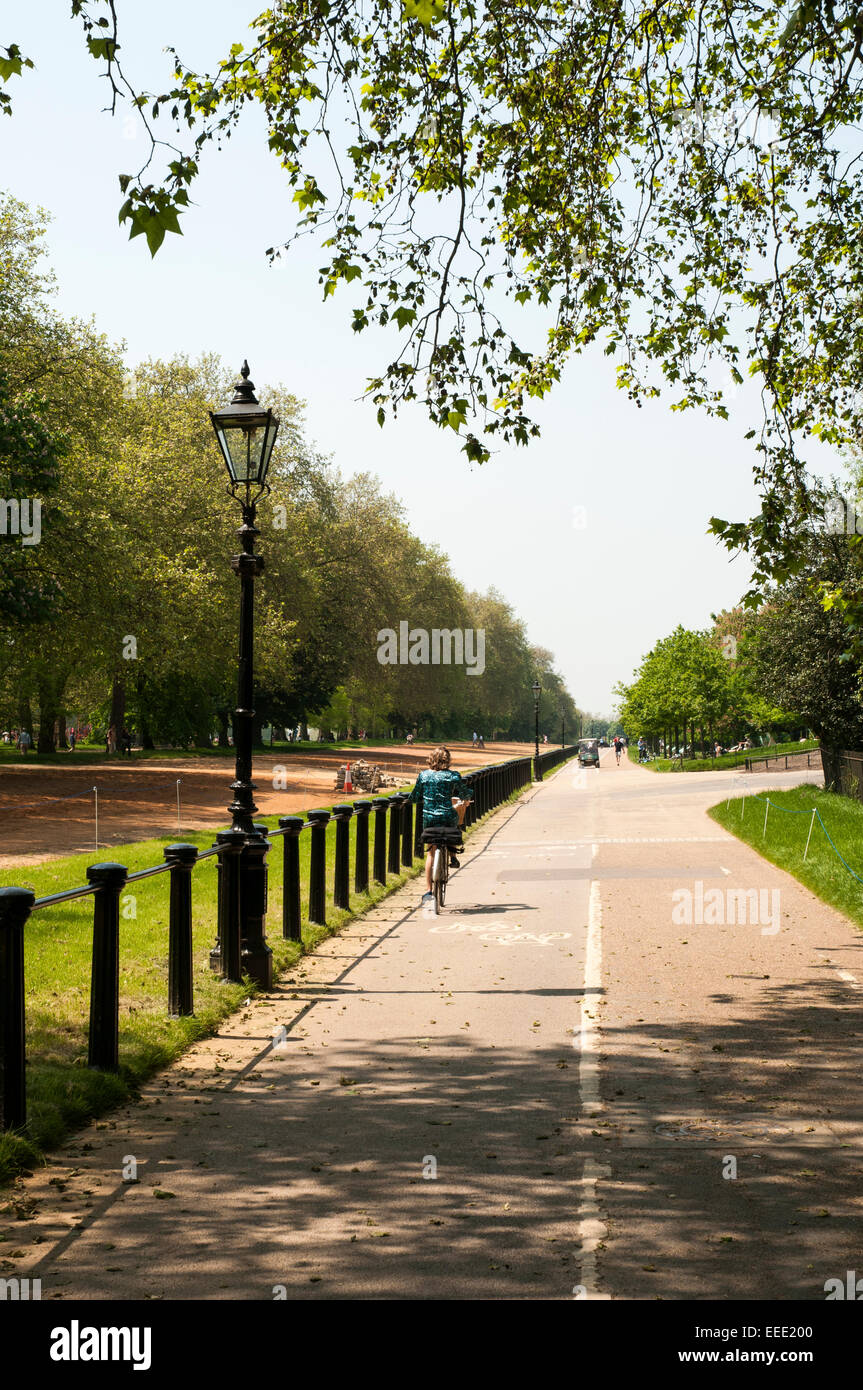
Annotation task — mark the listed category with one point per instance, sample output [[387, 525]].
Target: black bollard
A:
[[361, 852], [256, 957], [291, 910], [318, 869], [418, 831], [103, 1049], [470, 813], [394, 861], [16, 904], [227, 954], [380, 851], [407, 833], [341, 887], [181, 858]]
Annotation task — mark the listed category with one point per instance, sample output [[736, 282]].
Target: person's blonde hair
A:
[[439, 759]]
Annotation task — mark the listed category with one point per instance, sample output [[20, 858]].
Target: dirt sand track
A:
[[50, 810]]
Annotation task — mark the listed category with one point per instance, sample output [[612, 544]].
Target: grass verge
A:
[[727, 760], [63, 1093], [787, 829]]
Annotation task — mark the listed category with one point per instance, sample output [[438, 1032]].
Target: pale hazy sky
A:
[[597, 586]]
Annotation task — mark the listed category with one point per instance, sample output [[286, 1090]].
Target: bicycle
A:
[[442, 839]]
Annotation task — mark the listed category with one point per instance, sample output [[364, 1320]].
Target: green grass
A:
[[62, 1092], [785, 840], [728, 760]]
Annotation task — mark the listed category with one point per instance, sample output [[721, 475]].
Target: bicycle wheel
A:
[[437, 879]]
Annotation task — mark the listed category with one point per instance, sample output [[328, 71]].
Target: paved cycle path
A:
[[533, 1096]]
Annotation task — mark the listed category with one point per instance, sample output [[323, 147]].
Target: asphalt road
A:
[[558, 1089]]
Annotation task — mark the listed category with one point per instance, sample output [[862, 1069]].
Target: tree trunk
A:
[[118, 706], [202, 736], [62, 741], [25, 715], [50, 690], [830, 763], [222, 716]]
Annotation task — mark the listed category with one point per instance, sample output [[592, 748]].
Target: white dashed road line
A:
[[591, 1230], [587, 1033], [591, 1227]]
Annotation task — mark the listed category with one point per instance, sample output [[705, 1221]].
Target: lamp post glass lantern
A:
[[246, 433]]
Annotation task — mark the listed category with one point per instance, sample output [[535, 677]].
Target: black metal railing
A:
[[546, 761], [236, 955]]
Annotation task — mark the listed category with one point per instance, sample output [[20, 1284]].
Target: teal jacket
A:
[[435, 790]]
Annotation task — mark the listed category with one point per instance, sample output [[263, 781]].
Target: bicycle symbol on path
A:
[[504, 935]]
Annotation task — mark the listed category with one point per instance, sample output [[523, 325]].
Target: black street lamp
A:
[[563, 731], [537, 691], [246, 434]]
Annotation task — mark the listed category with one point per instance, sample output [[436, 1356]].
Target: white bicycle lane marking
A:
[[503, 935]]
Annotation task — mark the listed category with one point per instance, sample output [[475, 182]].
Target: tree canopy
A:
[[711, 681], [127, 606], [681, 183]]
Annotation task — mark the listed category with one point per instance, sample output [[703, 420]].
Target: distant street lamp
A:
[[246, 434], [537, 691], [563, 731]]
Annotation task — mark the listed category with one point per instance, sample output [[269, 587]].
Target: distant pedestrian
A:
[[126, 742], [475, 738], [24, 741], [72, 740], [481, 742]]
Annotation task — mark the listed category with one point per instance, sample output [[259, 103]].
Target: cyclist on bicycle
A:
[[443, 797]]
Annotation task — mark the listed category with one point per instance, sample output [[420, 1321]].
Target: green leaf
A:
[[427, 12], [155, 233]]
